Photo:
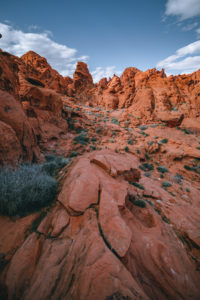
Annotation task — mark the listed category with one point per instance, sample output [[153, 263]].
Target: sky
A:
[[109, 35]]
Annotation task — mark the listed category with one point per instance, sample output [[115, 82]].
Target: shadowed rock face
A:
[[125, 224], [94, 243]]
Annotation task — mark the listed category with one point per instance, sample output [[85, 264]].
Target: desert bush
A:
[[139, 186], [144, 127], [126, 149], [166, 184], [162, 169], [115, 121], [81, 138], [25, 189], [53, 164], [146, 167]]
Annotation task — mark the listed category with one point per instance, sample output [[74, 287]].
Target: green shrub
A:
[[115, 121], [126, 149], [165, 219], [53, 164], [166, 184], [144, 127], [25, 189], [146, 167], [81, 138], [130, 142], [164, 141], [139, 186], [178, 178], [175, 109], [162, 169], [140, 203], [74, 153]]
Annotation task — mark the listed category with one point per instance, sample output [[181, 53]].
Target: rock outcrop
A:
[[95, 243]]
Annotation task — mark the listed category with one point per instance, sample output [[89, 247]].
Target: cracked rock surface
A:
[[94, 243]]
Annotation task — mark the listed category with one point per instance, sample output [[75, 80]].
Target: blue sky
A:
[[108, 35]]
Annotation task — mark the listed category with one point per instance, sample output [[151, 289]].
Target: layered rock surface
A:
[[94, 243]]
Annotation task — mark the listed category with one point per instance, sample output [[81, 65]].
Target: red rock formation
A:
[[39, 68], [34, 116], [19, 132], [94, 243]]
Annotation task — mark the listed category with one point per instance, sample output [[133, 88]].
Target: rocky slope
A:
[[126, 221]]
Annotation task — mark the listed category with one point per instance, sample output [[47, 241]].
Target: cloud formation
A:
[[185, 60], [107, 72], [184, 9], [60, 57]]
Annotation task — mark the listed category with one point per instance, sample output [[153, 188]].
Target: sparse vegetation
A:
[[166, 184], [126, 149], [162, 169], [25, 189], [146, 167], [82, 139], [139, 186]]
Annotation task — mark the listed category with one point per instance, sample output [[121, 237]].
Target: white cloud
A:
[[198, 32], [184, 9], [60, 57], [107, 72], [190, 26], [185, 60]]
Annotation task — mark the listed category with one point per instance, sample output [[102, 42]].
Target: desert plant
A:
[[144, 127], [25, 189], [146, 167], [166, 184], [53, 164], [115, 121], [130, 142], [162, 169], [126, 149], [139, 186], [81, 138]]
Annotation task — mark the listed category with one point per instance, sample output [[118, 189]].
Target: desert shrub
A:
[[166, 184], [165, 219], [146, 167], [74, 153], [126, 149], [81, 138], [92, 147], [164, 141], [25, 189], [130, 142], [178, 178], [98, 130], [162, 169], [53, 164], [175, 109], [186, 131], [144, 127], [139, 186], [115, 121], [198, 148], [147, 155], [140, 203], [93, 139]]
